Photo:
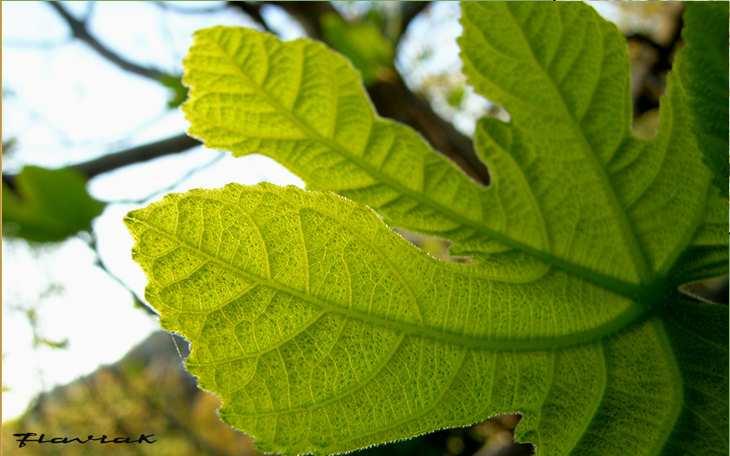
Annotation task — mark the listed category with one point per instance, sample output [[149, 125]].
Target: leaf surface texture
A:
[[323, 331]]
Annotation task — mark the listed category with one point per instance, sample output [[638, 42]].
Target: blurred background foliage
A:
[[47, 205], [409, 63]]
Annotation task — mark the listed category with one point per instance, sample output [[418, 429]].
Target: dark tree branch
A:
[[393, 99], [650, 85], [409, 11], [9, 181], [137, 154], [252, 9], [308, 14], [80, 30], [144, 152]]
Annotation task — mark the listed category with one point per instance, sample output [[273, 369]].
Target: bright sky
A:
[[65, 104]]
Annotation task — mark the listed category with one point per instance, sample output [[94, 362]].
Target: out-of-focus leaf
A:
[[362, 42], [48, 205]]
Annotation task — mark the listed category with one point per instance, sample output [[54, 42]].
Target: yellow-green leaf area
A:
[[323, 331]]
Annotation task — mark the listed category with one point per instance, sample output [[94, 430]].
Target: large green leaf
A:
[[323, 331], [48, 205], [305, 106]]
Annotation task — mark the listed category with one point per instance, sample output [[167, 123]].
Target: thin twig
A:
[[79, 29], [93, 245], [168, 188], [136, 154]]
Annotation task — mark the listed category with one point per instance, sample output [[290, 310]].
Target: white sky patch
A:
[[67, 105]]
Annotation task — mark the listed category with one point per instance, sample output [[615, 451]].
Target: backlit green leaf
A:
[[323, 331]]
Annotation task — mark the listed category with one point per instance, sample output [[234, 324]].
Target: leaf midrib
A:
[[619, 286], [632, 314]]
